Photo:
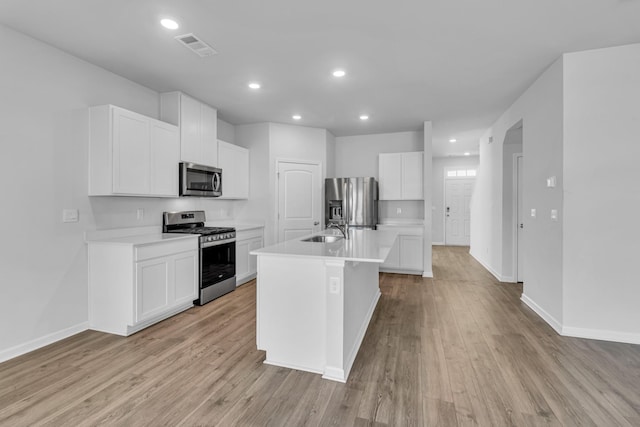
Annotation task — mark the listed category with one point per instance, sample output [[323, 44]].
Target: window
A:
[[461, 173]]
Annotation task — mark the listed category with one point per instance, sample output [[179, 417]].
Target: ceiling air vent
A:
[[196, 45]]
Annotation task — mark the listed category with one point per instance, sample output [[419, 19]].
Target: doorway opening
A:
[[513, 227]]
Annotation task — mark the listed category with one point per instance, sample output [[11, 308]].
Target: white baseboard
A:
[[487, 267], [427, 274], [334, 374], [601, 334], [37, 343], [508, 279], [552, 321], [437, 243]]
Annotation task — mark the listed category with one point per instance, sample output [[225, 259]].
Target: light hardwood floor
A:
[[460, 349]]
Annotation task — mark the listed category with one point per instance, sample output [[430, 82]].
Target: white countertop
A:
[[362, 246], [239, 226], [142, 239]]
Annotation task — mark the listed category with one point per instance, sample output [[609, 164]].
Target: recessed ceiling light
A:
[[296, 117], [452, 140], [364, 117], [169, 24], [339, 73], [467, 153], [254, 85]]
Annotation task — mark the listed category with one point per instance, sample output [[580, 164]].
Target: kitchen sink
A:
[[323, 239]]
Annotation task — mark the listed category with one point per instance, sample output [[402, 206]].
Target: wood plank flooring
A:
[[457, 350]]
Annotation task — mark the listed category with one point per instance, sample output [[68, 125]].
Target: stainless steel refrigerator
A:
[[352, 201]]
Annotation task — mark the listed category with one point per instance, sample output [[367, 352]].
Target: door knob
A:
[[521, 225], [316, 222]]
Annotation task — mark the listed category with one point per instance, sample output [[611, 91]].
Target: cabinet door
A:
[[226, 163], [242, 259], [209, 135], [412, 178], [410, 252], [165, 155], [253, 259], [242, 173], [131, 163], [186, 277], [152, 288], [190, 139], [234, 162], [393, 259], [390, 176]]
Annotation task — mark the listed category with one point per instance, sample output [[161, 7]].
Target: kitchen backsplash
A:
[[123, 212], [405, 209]]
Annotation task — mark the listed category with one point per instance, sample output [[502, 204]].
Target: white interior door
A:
[[299, 201], [457, 201], [520, 223]]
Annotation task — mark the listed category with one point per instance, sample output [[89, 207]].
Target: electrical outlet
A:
[[70, 215], [533, 213], [334, 285], [554, 214]]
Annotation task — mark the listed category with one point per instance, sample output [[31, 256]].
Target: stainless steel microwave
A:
[[200, 180]]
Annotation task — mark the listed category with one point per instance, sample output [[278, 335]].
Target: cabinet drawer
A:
[[165, 249], [248, 234]]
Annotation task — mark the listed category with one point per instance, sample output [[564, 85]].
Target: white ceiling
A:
[[458, 63]]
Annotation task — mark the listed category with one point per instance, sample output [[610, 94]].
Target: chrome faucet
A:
[[344, 228]]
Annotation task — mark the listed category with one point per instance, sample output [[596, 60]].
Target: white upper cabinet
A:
[[234, 162], [390, 176], [400, 176], [198, 124], [131, 154]]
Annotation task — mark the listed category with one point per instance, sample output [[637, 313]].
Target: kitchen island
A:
[[315, 300]]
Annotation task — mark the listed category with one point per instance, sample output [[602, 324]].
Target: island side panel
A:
[[362, 292], [334, 288], [291, 311]]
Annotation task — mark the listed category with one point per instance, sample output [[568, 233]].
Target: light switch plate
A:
[[70, 215], [551, 182], [140, 214], [398, 211]]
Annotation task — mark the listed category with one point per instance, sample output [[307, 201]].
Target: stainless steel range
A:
[[217, 252]]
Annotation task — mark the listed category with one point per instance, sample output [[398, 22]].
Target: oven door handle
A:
[[216, 243]]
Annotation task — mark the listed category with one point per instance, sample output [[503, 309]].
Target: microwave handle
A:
[[215, 181]]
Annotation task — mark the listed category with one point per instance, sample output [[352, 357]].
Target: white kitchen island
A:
[[315, 300]]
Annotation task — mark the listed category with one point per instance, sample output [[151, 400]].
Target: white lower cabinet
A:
[[407, 253], [246, 265], [134, 286]]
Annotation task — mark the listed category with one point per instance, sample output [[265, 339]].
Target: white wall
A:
[[331, 155], [358, 155], [440, 165], [427, 146], [270, 142], [44, 129], [226, 131], [540, 109], [601, 198], [257, 209]]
